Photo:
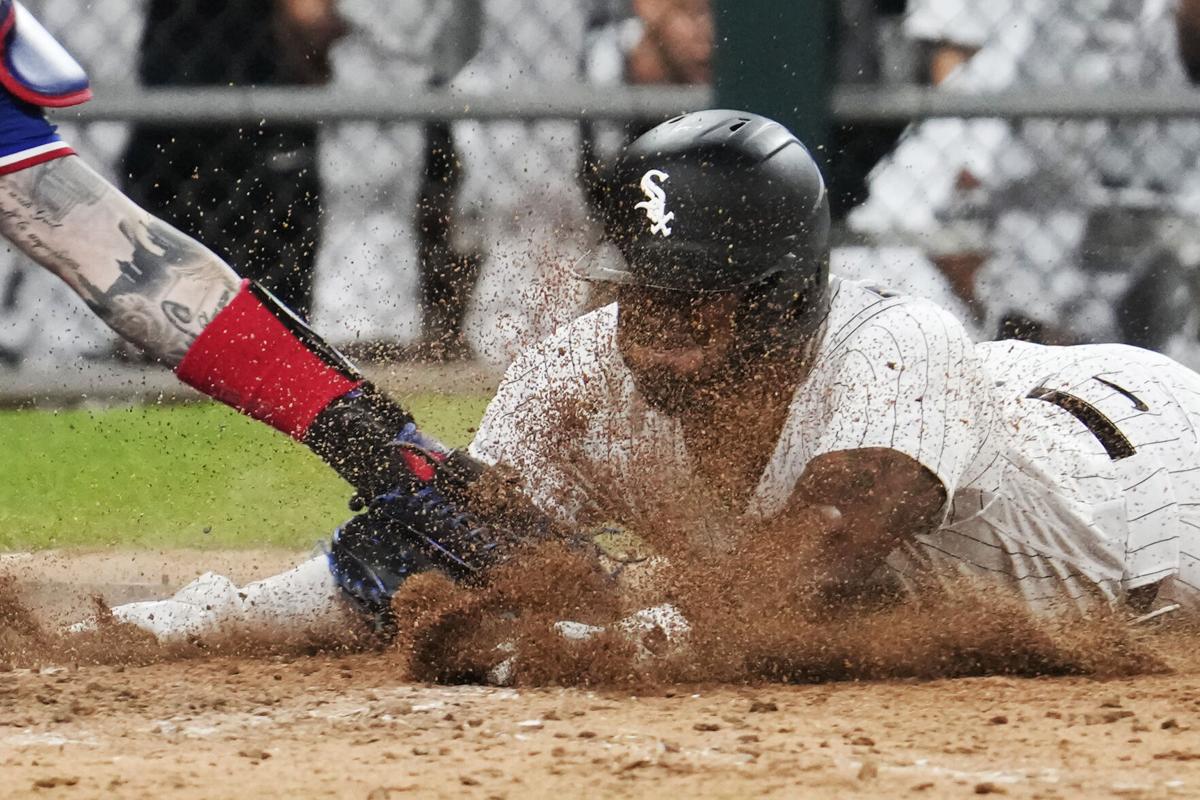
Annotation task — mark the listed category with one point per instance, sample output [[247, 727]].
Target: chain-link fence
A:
[[386, 229], [1062, 222], [427, 183]]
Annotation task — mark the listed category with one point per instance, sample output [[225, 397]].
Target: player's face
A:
[[676, 344]]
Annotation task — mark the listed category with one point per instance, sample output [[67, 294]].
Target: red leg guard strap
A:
[[247, 357]]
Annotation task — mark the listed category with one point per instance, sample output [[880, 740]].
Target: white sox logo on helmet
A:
[[656, 202]]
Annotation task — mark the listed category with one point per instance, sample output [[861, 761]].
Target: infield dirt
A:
[[352, 727], [278, 722]]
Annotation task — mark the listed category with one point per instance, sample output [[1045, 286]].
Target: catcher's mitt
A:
[[447, 512]]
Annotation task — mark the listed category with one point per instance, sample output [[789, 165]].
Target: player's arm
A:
[[883, 498], [226, 337], [151, 284], [173, 297], [908, 414], [167, 293]]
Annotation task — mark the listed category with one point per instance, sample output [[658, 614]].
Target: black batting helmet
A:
[[722, 200]]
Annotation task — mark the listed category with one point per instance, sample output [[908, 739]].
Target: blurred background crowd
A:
[[1064, 212]]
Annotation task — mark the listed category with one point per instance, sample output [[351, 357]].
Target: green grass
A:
[[176, 476]]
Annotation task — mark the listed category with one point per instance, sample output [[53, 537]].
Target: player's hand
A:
[[863, 504]]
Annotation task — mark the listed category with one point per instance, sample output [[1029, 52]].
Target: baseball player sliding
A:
[[734, 376]]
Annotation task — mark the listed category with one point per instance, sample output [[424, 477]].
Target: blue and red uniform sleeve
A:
[[26, 136], [36, 72]]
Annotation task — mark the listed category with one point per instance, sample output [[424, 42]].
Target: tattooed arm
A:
[[150, 283]]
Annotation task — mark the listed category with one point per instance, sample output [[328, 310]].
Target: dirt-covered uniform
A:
[[1060, 501]]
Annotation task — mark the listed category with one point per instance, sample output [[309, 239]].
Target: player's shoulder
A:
[[590, 336], [1010, 360], [574, 352], [861, 310]]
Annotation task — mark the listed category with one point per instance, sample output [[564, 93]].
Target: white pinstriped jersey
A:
[[1036, 499], [1097, 487]]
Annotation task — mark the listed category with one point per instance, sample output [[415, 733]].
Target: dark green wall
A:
[[772, 58]]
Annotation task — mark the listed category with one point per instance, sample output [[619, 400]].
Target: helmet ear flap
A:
[[781, 312]]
